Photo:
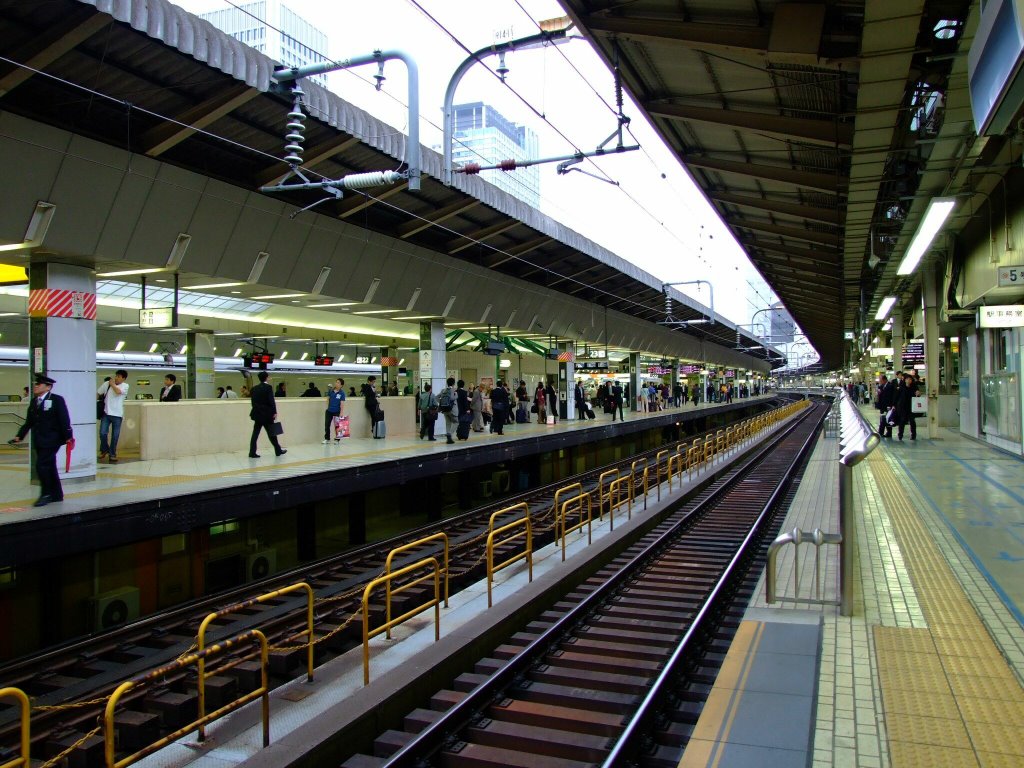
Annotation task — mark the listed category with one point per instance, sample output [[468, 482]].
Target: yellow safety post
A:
[[522, 505], [584, 520], [526, 554], [719, 442], [201, 635], [600, 491], [558, 495], [158, 674], [416, 545], [693, 461], [23, 761], [632, 475], [435, 604], [709, 450]]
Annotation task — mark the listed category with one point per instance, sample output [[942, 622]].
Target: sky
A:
[[655, 217]]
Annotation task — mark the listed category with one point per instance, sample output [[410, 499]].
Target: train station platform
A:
[[136, 499], [928, 670]]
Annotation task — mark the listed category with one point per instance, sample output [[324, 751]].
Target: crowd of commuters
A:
[[895, 404]]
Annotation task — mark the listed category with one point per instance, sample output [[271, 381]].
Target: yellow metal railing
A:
[[620, 492], [23, 761], [524, 529], [661, 469], [677, 460], [155, 675], [416, 545], [435, 573], [211, 617], [585, 519], [601, 496], [720, 442], [577, 487], [645, 477]]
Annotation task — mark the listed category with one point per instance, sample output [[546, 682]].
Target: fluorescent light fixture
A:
[[279, 296], [340, 358], [181, 243], [413, 300], [321, 280], [130, 325], [376, 311], [938, 211], [228, 333], [460, 323], [184, 349], [304, 356], [210, 285], [153, 347], [238, 352], [257, 267], [283, 355], [886, 306], [374, 285], [448, 307], [487, 311], [373, 359], [119, 346], [402, 361], [334, 304], [126, 272], [9, 314], [412, 317]]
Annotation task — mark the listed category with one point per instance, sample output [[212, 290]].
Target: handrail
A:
[[26, 713], [435, 604], [615, 498], [658, 472], [526, 554], [201, 637], [584, 519], [494, 515], [796, 537], [578, 487], [601, 494], [646, 476], [416, 545], [263, 692], [680, 460]]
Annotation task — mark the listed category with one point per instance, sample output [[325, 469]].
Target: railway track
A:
[[69, 685], [615, 674]]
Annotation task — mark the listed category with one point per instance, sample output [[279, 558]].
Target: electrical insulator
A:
[[470, 168], [379, 77], [507, 165], [502, 70], [296, 130], [371, 179]]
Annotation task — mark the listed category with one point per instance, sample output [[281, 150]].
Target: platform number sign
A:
[[1011, 277]]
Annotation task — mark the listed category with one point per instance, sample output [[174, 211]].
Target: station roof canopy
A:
[[811, 127], [116, 71]]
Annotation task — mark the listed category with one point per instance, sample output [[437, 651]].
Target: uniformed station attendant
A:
[[50, 423]]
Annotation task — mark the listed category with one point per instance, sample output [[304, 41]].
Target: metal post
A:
[[846, 531]]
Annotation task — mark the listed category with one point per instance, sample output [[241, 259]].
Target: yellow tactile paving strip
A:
[[950, 698]]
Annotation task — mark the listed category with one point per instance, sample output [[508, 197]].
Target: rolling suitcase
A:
[[379, 430], [462, 431], [590, 413], [522, 415]]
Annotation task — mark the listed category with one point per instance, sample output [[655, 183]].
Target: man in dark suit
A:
[[886, 400], [263, 414], [171, 393], [50, 424]]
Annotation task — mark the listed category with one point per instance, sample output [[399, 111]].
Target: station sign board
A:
[[157, 317], [913, 352], [1006, 316], [592, 365], [1011, 277], [689, 370], [658, 370]]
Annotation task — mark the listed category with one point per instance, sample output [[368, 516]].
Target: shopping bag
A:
[[919, 404], [341, 427]]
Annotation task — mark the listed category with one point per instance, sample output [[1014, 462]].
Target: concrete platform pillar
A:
[[199, 382], [634, 379], [388, 369], [433, 360], [931, 301], [897, 339], [567, 380], [62, 345]]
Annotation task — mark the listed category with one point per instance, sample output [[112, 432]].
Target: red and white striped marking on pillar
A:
[[57, 302], [566, 357], [388, 361]]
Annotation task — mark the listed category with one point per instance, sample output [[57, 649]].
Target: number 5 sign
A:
[[1011, 276]]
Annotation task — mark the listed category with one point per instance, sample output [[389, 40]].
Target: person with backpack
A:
[[428, 412], [449, 409]]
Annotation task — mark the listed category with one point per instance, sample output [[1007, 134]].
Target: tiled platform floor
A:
[[928, 670]]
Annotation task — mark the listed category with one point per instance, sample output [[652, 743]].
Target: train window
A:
[[225, 526]]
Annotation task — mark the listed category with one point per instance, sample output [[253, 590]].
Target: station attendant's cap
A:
[[40, 379]]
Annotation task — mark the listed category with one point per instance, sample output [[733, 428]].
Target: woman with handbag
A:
[[540, 403]]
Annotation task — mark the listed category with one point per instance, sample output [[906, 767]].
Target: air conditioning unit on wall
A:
[[118, 606], [260, 565]]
